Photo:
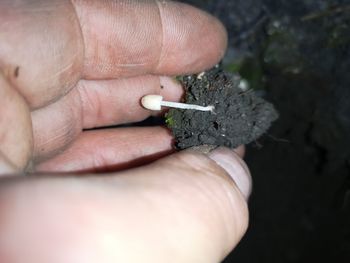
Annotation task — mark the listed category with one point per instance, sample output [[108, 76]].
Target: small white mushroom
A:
[[200, 75], [155, 102], [243, 85]]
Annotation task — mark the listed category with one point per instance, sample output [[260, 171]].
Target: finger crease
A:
[[82, 37], [79, 88], [161, 53]]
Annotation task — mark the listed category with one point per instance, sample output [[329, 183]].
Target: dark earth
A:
[[295, 54], [239, 117]]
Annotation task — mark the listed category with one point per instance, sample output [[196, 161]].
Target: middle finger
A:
[[95, 104]]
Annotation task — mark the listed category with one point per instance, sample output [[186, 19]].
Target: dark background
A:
[[296, 54]]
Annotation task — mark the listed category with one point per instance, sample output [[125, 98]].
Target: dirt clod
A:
[[240, 116]]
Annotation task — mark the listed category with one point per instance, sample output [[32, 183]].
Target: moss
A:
[[249, 69], [178, 79], [339, 36], [252, 71], [233, 67], [169, 120], [282, 49]]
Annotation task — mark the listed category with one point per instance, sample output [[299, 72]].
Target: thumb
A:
[[209, 193], [183, 208]]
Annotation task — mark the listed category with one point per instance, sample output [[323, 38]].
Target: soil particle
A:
[[239, 117], [16, 72]]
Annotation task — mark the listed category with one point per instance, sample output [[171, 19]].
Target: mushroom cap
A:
[[152, 102]]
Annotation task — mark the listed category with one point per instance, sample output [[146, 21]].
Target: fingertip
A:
[[171, 89], [232, 163], [195, 35], [202, 187], [148, 37]]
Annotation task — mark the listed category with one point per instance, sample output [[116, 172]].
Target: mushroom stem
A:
[[155, 102], [179, 105]]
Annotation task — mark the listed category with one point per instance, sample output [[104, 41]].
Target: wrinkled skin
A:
[[67, 66]]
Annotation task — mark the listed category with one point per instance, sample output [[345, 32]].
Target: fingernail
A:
[[6, 167], [235, 167]]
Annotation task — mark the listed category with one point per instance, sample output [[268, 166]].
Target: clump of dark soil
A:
[[239, 117]]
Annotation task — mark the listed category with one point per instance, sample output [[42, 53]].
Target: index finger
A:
[[127, 38], [46, 47]]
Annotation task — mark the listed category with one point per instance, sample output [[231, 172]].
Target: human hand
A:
[[69, 66]]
